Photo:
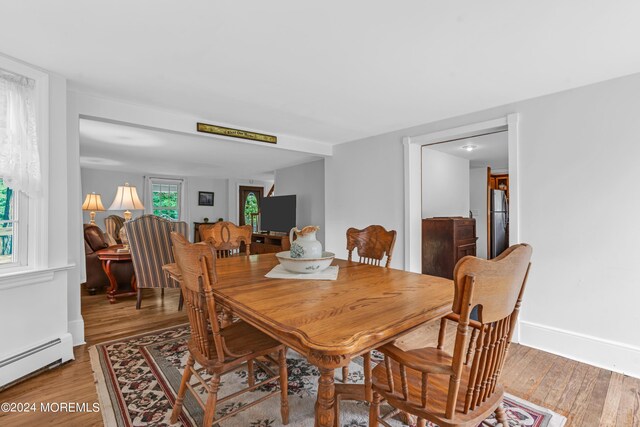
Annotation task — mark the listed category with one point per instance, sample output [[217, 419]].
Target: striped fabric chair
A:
[[150, 243], [113, 224]]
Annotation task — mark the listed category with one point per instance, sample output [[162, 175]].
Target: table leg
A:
[[326, 402], [111, 292], [326, 398]]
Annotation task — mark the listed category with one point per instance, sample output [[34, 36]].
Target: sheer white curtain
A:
[[19, 157]]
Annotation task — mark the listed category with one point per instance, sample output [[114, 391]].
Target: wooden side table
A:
[[108, 256]]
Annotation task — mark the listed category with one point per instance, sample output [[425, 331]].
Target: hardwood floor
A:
[[586, 395], [73, 381]]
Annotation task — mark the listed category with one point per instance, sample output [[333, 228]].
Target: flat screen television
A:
[[278, 213]]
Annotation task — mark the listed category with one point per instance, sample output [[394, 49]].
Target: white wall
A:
[[578, 154], [306, 181], [478, 205], [364, 186], [220, 208], [105, 183], [445, 184]]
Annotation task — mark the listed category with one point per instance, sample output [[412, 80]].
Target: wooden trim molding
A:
[[30, 277], [607, 354]]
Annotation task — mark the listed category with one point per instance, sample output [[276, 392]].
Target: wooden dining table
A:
[[330, 321]]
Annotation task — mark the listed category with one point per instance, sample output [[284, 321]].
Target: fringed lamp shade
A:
[[92, 203]]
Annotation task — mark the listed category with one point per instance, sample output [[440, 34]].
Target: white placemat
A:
[[278, 272]]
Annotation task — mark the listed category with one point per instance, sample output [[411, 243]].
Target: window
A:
[[8, 225], [165, 196], [13, 230], [24, 94]]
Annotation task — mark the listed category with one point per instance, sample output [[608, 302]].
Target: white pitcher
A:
[[306, 245]]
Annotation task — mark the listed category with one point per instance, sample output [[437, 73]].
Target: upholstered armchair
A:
[[113, 224], [94, 240], [150, 245]]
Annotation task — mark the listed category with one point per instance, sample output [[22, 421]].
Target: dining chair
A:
[[464, 388], [218, 349], [372, 244], [150, 245], [227, 237]]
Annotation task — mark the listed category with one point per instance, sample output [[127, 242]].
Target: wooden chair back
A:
[[497, 282], [226, 237], [372, 243], [496, 286], [196, 263]]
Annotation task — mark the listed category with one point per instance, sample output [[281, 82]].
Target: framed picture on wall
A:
[[205, 198]]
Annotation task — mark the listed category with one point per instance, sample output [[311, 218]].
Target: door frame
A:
[[413, 180], [488, 212], [241, 202]]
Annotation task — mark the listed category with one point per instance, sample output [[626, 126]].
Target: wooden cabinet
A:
[[444, 241], [499, 182], [269, 243]]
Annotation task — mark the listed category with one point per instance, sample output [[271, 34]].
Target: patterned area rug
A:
[[138, 378]]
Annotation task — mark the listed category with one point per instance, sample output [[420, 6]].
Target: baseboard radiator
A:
[[24, 363]]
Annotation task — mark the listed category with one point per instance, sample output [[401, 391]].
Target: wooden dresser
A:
[[444, 241]]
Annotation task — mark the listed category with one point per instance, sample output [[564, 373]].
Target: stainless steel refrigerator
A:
[[499, 219]]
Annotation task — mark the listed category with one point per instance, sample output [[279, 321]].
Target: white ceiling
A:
[[127, 148], [492, 150], [329, 70]]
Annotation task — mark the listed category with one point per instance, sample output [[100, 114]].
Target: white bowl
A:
[[305, 265]]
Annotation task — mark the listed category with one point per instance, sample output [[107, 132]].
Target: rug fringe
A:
[[106, 408]]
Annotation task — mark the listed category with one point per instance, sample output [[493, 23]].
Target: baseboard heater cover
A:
[[58, 349]]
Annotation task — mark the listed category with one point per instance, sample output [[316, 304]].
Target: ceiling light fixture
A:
[[469, 147]]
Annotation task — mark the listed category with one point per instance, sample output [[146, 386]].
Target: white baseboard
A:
[[76, 329], [27, 361], [611, 355]]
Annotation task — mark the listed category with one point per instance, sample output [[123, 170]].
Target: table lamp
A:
[[126, 198], [92, 203]]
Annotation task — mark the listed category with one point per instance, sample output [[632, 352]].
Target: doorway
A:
[[249, 207], [413, 185], [468, 178], [498, 211]]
